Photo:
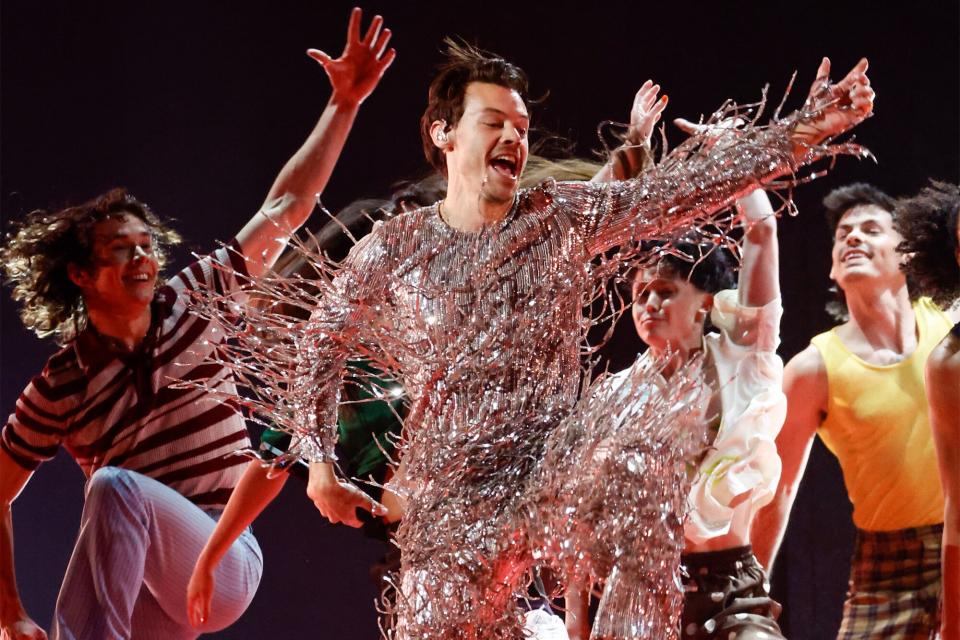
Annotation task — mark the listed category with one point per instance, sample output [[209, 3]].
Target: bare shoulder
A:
[[806, 369], [806, 388], [943, 364]]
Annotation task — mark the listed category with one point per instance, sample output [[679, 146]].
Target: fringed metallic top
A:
[[487, 332]]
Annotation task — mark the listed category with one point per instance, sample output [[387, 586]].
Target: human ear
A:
[[708, 303], [704, 311], [441, 134], [78, 275]]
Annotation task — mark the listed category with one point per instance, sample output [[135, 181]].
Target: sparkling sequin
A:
[[509, 455]]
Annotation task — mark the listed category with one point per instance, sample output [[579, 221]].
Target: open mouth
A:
[[850, 255], [139, 278], [505, 165]]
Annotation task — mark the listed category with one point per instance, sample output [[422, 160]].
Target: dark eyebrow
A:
[[502, 113]]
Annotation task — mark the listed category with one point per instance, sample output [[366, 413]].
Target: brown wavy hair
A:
[[36, 256], [464, 64], [928, 224]]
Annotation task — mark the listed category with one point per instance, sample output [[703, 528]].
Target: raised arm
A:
[[805, 385], [696, 180], [759, 281], [635, 155], [15, 624], [353, 76]]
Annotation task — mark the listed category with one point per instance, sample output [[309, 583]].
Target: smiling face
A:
[[487, 149], [668, 312], [865, 248], [123, 268]]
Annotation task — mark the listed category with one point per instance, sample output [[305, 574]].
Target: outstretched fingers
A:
[[355, 74], [373, 31], [686, 126], [855, 89], [712, 132], [381, 44], [861, 98], [717, 128], [646, 94], [822, 80], [646, 111], [353, 26], [823, 71], [857, 75], [387, 60], [657, 108], [319, 56]]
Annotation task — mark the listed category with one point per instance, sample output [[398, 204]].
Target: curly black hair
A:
[[37, 254], [835, 205], [840, 200], [928, 224]]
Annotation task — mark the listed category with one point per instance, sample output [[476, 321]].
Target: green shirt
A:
[[367, 426]]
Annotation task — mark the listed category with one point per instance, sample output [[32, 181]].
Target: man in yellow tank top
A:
[[861, 387], [928, 223]]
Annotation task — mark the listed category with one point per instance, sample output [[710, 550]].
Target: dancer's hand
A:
[[337, 500], [841, 106], [725, 129], [645, 113], [21, 628], [355, 74], [199, 594]]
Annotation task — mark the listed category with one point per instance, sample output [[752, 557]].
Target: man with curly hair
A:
[[928, 224], [158, 456], [860, 387]]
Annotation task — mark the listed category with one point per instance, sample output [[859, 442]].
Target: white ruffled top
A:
[[743, 457]]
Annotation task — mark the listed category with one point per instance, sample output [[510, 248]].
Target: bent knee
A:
[[108, 483]]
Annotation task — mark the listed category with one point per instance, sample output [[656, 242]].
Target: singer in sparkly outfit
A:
[[476, 304]]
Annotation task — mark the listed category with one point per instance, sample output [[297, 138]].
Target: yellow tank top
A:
[[877, 426]]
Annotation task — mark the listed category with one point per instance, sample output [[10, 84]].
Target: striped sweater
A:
[[112, 408]]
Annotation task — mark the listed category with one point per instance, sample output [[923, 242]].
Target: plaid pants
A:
[[894, 585]]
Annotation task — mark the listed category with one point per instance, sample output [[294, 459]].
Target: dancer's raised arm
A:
[[635, 154], [353, 77], [688, 185]]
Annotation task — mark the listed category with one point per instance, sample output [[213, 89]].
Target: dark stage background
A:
[[195, 106]]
